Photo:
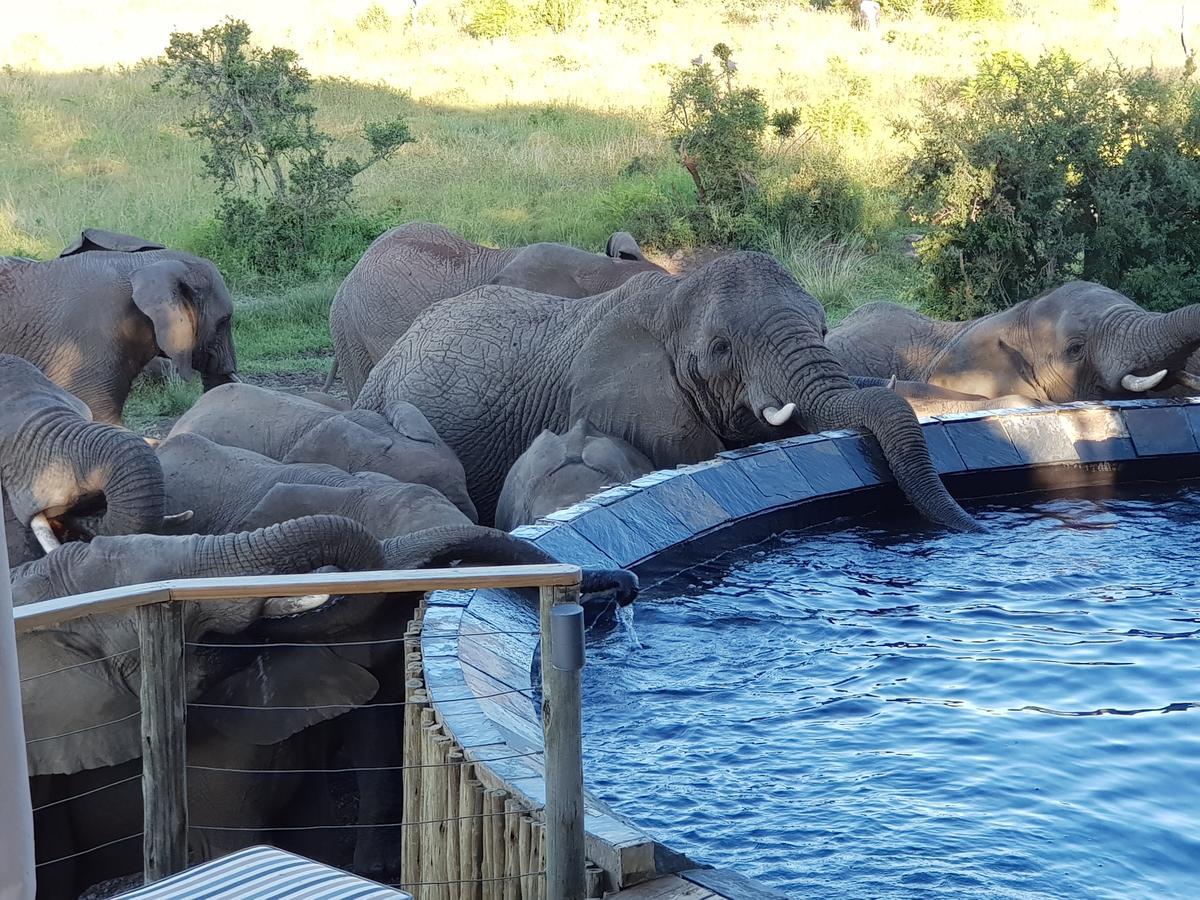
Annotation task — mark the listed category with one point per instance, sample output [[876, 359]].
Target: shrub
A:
[[656, 210], [557, 15], [279, 190], [491, 19], [1032, 174]]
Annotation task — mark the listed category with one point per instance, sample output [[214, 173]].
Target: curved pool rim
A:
[[657, 523]]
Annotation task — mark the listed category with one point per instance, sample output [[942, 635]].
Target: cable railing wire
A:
[[89, 662], [432, 633], [486, 815], [410, 884], [55, 737], [60, 859], [464, 762], [137, 777], [393, 703]]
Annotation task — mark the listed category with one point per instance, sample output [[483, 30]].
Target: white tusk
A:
[[891, 385], [277, 607], [44, 533], [153, 442], [1188, 380], [1136, 385], [178, 518], [778, 416]]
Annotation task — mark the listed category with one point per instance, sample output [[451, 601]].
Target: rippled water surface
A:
[[872, 714]]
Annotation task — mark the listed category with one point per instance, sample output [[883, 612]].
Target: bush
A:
[[491, 19], [557, 15], [658, 211], [279, 190], [1032, 174]]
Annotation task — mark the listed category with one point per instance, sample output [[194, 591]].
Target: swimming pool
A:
[[864, 713]]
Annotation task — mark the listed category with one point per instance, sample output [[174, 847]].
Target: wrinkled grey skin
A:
[[410, 267], [93, 320], [55, 705], [559, 470], [397, 441], [230, 489], [90, 479], [1075, 342], [929, 400], [679, 368]]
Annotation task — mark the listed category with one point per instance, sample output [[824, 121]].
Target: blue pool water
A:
[[866, 713]]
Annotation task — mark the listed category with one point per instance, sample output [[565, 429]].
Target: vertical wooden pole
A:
[[512, 850], [470, 836], [493, 888], [164, 773], [562, 724], [410, 839], [454, 767]]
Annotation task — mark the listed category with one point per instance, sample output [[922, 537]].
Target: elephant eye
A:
[[719, 347], [1075, 349]]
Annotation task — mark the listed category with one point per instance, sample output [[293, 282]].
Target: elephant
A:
[[397, 441], [64, 475], [1081, 341], [80, 682], [368, 631], [929, 400], [231, 489], [92, 320], [559, 470], [733, 354], [412, 266]]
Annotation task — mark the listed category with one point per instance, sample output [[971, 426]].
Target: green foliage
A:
[[658, 210], [557, 15], [1032, 174], [491, 19], [716, 131], [278, 187]]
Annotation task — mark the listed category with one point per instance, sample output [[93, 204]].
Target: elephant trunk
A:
[[826, 399], [134, 495], [465, 544], [294, 546], [1153, 345]]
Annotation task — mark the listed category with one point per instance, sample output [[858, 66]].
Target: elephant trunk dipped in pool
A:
[[729, 356], [1081, 341], [61, 469]]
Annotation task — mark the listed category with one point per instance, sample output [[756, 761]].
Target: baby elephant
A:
[[398, 441], [559, 470]]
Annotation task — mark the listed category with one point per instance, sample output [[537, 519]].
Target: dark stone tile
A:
[[1098, 433], [450, 598], [654, 478], [946, 458], [866, 458], [647, 516], [983, 444], [1193, 416], [730, 487], [688, 502], [773, 474], [1040, 438], [1159, 431], [532, 532], [618, 541], [572, 512], [824, 467], [743, 452], [566, 545]]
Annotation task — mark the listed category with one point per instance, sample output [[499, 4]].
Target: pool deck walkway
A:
[[699, 884], [670, 888]]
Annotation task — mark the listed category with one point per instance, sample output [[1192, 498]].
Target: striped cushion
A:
[[265, 873]]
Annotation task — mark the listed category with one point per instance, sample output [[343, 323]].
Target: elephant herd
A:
[[488, 388]]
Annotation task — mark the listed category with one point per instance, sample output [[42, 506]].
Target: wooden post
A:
[[410, 839], [470, 836], [512, 850], [528, 882], [562, 724], [493, 888], [164, 772], [454, 758]]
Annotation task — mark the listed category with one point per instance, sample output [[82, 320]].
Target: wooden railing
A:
[[159, 611]]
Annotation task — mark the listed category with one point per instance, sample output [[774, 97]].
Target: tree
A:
[[277, 184]]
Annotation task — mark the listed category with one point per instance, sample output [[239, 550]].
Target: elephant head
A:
[[60, 471], [564, 271], [622, 245], [680, 369], [731, 355], [558, 470], [81, 674], [1081, 341], [100, 239]]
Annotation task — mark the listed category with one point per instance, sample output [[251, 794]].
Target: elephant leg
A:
[[376, 736]]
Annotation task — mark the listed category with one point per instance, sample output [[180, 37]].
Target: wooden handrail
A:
[[45, 613]]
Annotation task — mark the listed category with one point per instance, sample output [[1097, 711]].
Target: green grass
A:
[[154, 400]]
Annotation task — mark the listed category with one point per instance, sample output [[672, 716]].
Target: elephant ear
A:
[[338, 441], [99, 239], [83, 717], [287, 690], [621, 245], [159, 292], [623, 382], [403, 418]]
